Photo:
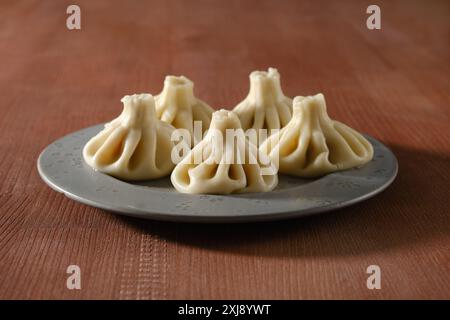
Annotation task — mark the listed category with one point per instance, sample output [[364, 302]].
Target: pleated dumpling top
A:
[[178, 106], [266, 106], [134, 146], [312, 144], [212, 166]]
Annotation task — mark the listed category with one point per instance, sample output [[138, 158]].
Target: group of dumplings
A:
[[305, 141]]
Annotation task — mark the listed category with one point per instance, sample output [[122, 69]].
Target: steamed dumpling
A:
[[312, 144], [265, 107], [134, 146], [178, 106], [213, 169]]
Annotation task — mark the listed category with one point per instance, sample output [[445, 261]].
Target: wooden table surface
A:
[[391, 83]]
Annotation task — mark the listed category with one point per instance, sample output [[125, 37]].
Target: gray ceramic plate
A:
[[62, 167]]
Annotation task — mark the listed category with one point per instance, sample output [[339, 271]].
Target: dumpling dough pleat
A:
[[178, 106], [135, 145], [266, 106], [312, 144], [212, 169]]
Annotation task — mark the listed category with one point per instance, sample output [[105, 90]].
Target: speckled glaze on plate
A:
[[62, 167]]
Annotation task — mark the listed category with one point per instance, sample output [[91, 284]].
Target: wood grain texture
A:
[[392, 84]]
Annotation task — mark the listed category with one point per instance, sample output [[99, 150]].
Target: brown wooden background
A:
[[392, 84]]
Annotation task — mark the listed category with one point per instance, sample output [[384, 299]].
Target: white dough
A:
[[134, 146], [178, 106], [266, 106], [312, 144], [213, 174]]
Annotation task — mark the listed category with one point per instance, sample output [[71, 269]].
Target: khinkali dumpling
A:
[[134, 146], [266, 106], [178, 106], [312, 144], [212, 166]]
